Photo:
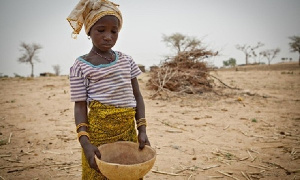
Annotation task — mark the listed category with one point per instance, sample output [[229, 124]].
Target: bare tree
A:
[[56, 69], [270, 54], [181, 42], [295, 45], [257, 57], [29, 54], [248, 50]]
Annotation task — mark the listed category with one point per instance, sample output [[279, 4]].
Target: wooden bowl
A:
[[124, 160]]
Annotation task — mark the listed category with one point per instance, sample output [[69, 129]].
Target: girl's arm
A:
[[140, 106], [80, 112], [140, 113]]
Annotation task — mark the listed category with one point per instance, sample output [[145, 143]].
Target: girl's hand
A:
[[90, 151], [143, 140]]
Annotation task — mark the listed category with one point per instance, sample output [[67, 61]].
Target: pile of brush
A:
[[184, 73]]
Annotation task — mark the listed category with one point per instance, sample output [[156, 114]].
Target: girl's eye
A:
[[100, 30], [114, 32]]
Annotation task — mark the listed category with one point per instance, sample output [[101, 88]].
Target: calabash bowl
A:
[[123, 160]]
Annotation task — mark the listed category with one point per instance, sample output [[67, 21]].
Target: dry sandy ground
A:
[[251, 133]]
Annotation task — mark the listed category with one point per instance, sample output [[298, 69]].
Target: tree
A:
[[248, 50], [257, 57], [283, 59], [270, 54], [295, 45], [29, 54], [188, 48], [56, 69], [181, 42], [231, 62]]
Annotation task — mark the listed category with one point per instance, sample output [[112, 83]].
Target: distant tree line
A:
[[268, 54], [182, 44]]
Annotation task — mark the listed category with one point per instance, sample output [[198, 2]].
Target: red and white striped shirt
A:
[[109, 84]]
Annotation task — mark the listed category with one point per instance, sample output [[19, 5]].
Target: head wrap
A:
[[88, 12]]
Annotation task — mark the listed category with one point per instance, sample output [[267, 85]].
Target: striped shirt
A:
[[109, 84]]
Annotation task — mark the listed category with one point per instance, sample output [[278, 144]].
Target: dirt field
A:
[[247, 134]]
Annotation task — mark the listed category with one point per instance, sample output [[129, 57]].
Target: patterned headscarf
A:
[[88, 12]]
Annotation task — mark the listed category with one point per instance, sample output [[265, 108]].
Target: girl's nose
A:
[[107, 37]]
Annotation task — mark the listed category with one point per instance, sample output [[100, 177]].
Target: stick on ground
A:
[[166, 173], [9, 139], [228, 175]]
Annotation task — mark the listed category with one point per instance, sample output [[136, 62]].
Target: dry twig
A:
[[243, 159], [228, 175], [51, 152], [246, 176], [257, 167], [281, 167], [9, 139], [215, 176], [190, 177], [166, 173], [226, 127], [191, 168], [172, 131], [223, 82], [5, 155], [209, 167], [251, 156], [173, 126], [16, 161]]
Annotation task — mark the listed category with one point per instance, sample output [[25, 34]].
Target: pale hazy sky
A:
[[220, 24]]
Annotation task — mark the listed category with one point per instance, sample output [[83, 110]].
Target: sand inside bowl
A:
[[125, 153]]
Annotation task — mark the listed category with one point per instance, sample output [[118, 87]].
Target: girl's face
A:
[[104, 33]]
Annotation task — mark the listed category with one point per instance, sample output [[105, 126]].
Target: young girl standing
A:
[[108, 102]]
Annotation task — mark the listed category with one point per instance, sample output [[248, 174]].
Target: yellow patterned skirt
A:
[[107, 124]]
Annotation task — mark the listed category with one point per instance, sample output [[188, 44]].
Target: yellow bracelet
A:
[[82, 133], [80, 125], [140, 120], [141, 124]]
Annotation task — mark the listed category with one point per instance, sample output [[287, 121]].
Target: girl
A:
[[104, 81]]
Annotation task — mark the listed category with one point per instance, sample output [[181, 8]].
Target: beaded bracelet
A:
[[80, 125], [82, 133]]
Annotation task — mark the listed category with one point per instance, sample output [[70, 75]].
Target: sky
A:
[[219, 24]]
